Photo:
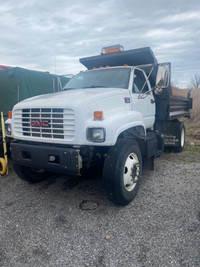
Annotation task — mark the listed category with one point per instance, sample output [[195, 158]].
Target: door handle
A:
[[152, 101]]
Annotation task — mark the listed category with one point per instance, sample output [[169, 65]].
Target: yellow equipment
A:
[[3, 161]]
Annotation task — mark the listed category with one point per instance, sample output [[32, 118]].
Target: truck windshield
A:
[[110, 78]]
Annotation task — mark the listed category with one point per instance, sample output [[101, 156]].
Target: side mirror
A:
[[162, 78]]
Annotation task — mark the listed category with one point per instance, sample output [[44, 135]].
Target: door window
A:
[[139, 84]]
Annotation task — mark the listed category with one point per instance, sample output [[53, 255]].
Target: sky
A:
[[51, 35]]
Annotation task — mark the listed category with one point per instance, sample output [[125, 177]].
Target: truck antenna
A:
[[55, 63]]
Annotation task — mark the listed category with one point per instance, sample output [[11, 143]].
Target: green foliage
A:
[[195, 149]]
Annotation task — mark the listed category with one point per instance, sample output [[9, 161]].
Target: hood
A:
[[71, 97]]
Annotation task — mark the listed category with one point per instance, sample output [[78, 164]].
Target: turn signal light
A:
[[98, 115], [10, 114]]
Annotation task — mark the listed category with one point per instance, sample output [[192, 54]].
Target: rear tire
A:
[[181, 138], [122, 171], [29, 174]]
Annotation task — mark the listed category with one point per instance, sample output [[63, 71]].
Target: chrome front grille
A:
[[54, 123]]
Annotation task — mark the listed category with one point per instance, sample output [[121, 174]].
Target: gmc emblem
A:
[[39, 123]]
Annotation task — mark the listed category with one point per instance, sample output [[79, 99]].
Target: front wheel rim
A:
[[131, 172]]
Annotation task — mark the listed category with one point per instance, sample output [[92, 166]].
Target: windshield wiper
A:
[[94, 86], [68, 89]]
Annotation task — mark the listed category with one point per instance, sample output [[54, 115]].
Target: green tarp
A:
[[17, 84]]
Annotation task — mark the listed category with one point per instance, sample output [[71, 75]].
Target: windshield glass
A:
[[115, 77]]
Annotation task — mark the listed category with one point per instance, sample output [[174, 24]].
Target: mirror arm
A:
[[157, 90], [146, 93]]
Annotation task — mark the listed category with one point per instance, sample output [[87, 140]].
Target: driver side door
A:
[[142, 97]]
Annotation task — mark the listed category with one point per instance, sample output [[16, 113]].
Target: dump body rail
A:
[[179, 107]]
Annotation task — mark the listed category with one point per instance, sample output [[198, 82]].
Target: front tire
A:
[[122, 171], [29, 174]]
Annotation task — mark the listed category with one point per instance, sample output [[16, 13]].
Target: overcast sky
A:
[[51, 35]]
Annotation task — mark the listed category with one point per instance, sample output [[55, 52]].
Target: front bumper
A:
[[47, 157]]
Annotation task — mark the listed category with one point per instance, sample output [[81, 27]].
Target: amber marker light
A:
[[112, 49], [98, 115], [10, 114]]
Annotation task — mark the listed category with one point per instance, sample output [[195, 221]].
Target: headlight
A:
[[97, 135], [8, 129]]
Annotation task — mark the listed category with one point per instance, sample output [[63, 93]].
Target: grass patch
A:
[[192, 149], [192, 126], [191, 129]]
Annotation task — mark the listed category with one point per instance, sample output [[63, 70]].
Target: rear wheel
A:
[[30, 175], [122, 172], [181, 138]]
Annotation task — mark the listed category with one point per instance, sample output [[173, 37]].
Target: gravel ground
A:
[[67, 221]]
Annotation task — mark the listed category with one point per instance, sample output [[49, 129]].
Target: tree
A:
[[195, 81]]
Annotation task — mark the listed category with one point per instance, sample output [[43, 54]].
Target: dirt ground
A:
[[67, 221], [192, 140]]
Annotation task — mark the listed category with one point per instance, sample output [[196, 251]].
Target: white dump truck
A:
[[118, 114]]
